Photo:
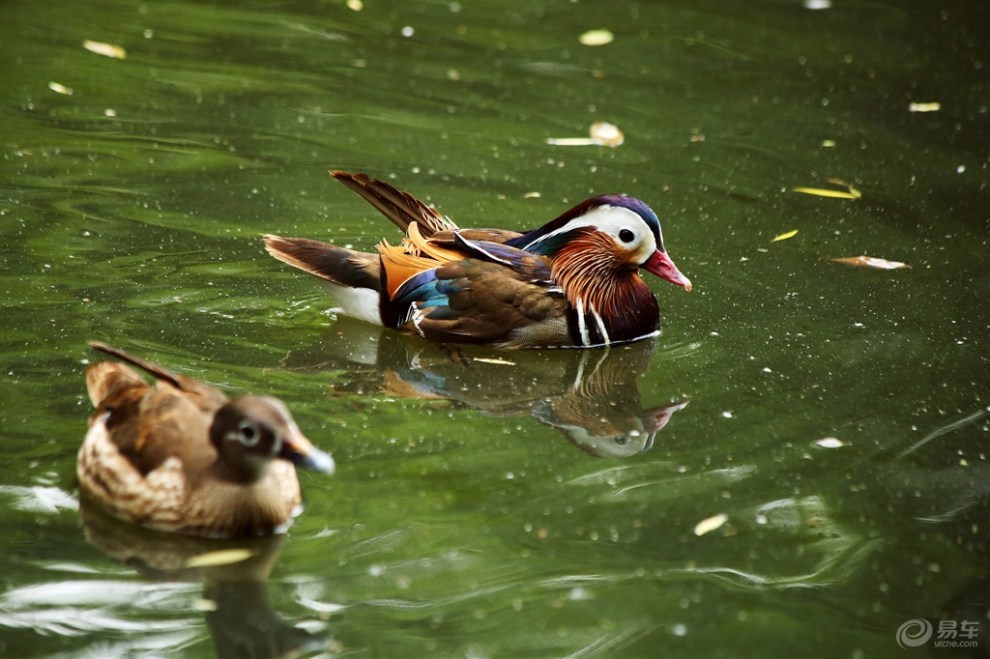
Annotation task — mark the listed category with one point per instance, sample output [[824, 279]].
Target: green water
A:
[[513, 504]]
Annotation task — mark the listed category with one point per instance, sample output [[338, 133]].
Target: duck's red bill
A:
[[661, 265]]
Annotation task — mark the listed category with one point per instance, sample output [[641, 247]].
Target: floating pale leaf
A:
[[845, 184], [606, 134], [601, 133], [871, 262], [60, 89], [105, 49], [220, 557], [785, 236], [830, 442], [494, 360], [355, 5], [709, 524], [596, 38], [571, 141], [924, 107]]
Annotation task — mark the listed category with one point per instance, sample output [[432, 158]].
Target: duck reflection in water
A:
[[238, 613], [591, 396]]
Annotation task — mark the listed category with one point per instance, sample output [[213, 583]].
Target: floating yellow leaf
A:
[[105, 49], [871, 262], [596, 37], [924, 107], [355, 5], [785, 236], [825, 192], [709, 524], [220, 557], [60, 89], [850, 191]]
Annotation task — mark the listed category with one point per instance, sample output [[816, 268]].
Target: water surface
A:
[[512, 504]]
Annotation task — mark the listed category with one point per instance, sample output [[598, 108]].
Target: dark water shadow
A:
[[591, 397], [237, 609]]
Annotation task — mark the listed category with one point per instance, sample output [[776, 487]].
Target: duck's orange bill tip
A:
[[300, 451]]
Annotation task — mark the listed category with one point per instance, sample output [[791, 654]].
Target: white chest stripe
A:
[[582, 319], [601, 327], [582, 326]]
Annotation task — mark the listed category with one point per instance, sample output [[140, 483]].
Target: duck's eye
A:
[[626, 236], [248, 433]]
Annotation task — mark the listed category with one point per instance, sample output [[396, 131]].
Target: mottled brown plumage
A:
[[179, 456]]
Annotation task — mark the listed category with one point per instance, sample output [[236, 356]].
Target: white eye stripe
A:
[[611, 220]]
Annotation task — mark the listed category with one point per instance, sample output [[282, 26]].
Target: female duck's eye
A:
[[249, 434], [626, 236]]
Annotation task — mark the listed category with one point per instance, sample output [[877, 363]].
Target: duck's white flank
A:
[[360, 303]]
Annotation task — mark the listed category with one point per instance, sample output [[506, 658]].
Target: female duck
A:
[[179, 456]]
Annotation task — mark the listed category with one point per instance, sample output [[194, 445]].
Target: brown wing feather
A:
[[495, 305], [446, 238], [336, 264], [400, 207], [205, 396], [104, 379], [149, 424]]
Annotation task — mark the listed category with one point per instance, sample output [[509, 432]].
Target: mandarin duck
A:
[[179, 456], [573, 282]]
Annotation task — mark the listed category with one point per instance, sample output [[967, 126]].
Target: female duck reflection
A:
[[238, 613], [591, 396]]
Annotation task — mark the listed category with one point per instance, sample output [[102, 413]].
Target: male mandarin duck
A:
[[179, 456], [574, 282]]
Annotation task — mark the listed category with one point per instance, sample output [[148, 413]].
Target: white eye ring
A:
[[248, 433]]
